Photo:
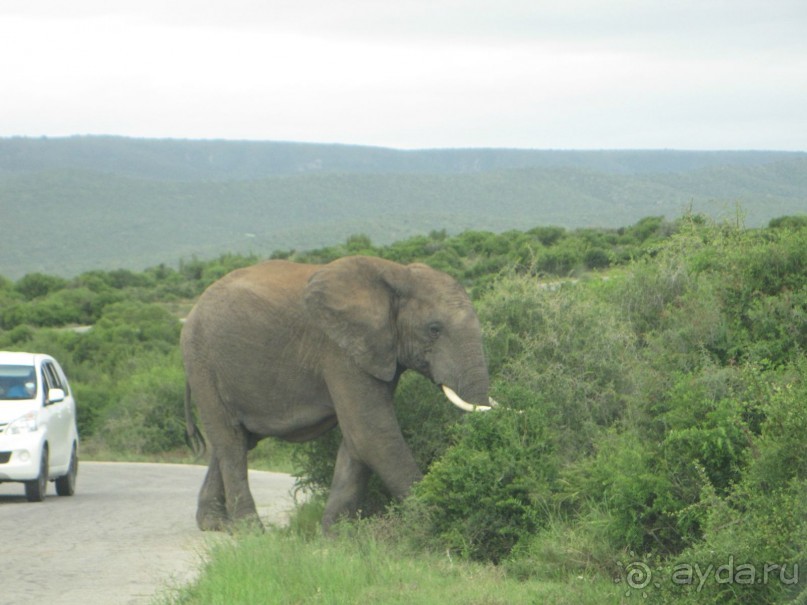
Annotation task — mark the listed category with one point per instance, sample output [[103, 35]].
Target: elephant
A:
[[290, 350]]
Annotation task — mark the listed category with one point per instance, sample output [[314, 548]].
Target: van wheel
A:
[[35, 490], [66, 484]]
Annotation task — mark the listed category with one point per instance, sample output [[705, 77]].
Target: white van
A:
[[38, 432]]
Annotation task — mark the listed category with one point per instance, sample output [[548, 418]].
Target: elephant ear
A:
[[351, 300]]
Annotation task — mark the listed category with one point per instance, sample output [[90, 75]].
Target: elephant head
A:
[[389, 318]]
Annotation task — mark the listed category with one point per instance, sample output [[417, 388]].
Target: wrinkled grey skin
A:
[[289, 350]]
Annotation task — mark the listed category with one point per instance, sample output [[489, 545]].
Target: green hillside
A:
[[71, 205]]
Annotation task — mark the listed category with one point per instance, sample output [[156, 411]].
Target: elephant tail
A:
[[193, 436]]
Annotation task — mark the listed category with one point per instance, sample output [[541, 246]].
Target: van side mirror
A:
[[55, 396]]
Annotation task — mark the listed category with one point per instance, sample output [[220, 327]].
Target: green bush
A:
[[649, 473], [492, 487], [652, 287], [563, 259], [645, 229], [571, 349], [93, 398], [64, 307], [16, 337], [548, 236], [623, 478], [789, 222], [597, 258], [149, 417], [776, 326], [37, 285], [760, 523], [125, 331], [704, 424]]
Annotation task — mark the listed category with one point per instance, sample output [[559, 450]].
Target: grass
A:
[[286, 568], [296, 565]]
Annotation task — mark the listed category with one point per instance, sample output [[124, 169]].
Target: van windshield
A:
[[17, 382]]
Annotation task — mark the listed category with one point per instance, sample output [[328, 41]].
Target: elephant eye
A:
[[435, 329]]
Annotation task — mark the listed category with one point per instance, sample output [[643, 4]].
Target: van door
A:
[[58, 415]]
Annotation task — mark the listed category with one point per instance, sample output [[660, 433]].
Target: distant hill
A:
[[75, 204], [215, 160]]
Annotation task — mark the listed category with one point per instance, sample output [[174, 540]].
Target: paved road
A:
[[128, 533]]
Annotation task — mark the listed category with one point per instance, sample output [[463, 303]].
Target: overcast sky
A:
[[563, 74]]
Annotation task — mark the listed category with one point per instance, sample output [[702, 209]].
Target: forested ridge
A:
[[656, 376], [76, 204], [221, 160]]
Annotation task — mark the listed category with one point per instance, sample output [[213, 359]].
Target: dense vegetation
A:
[[71, 205], [657, 381]]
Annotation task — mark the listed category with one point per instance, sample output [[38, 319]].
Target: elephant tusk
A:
[[492, 402], [462, 404]]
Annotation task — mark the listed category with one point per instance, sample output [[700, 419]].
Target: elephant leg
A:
[[240, 504], [347, 488], [370, 429], [225, 498], [211, 512]]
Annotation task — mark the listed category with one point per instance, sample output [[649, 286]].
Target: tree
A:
[[36, 285]]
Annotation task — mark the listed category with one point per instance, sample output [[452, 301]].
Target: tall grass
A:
[[292, 568]]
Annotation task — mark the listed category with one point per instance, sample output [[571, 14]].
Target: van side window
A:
[[51, 376]]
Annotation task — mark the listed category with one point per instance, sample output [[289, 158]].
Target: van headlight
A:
[[23, 424]]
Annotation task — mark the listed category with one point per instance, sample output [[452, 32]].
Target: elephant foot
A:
[[210, 521], [250, 524]]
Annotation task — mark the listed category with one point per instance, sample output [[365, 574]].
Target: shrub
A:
[[646, 228], [68, 306], [776, 326], [127, 330], [562, 258], [652, 286], [36, 285], [798, 221], [704, 423], [570, 348], [625, 479], [548, 236], [761, 523], [16, 337], [597, 258], [492, 487], [149, 418]]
